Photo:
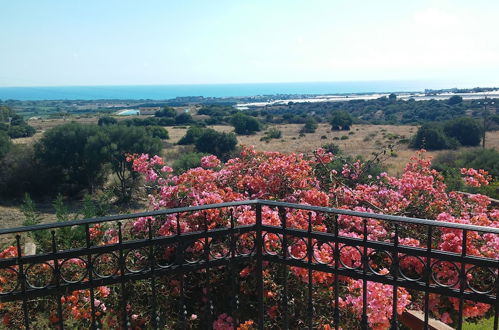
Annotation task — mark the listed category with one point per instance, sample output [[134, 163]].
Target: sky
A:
[[125, 42]]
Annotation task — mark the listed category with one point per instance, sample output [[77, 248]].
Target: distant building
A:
[[128, 112]]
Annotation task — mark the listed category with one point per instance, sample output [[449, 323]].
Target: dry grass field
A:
[[361, 140]]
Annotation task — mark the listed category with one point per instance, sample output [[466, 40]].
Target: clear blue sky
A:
[[121, 42]]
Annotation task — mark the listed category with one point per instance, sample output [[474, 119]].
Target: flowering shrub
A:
[[419, 192]]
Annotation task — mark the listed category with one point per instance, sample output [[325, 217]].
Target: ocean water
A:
[[164, 92]]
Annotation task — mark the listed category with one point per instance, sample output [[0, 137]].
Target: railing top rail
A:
[[385, 217]]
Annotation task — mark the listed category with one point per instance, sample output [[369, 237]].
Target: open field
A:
[[361, 140]]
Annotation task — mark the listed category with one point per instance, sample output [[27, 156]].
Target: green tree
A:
[[157, 132], [19, 131], [128, 140], [191, 136], [166, 112], [5, 144], [244, 124], [455, 99], [71, 161], [187, 161], [310, 125], [341, 120], [216, 143], [107, 120], [183, 118], [432, 137], [465, 129]]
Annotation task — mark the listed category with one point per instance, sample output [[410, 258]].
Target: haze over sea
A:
[[163, 92]]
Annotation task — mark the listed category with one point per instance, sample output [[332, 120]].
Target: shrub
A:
[[216, 143], [272, 133], [465, 130], [341, 120], [344, 137], [183, 118], [157, 132], [191, 136], [310, 125], [432, 137], [166, 112], [186, 161], [5, 144], [244, 124], [107, 120]]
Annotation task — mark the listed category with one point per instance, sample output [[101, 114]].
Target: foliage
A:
[[310, 125], [74, 156], [466, 130], [419, 192], [186, 161], [455, 99], [450, 163], [216, 143], [183, 118], [191, 136], [166, 112], [120, 141], [432, 137], [341, 120], [244, 124], [272, 133], [308, 179], [107, 120], [5, 144], [157, 132], [19, 131]]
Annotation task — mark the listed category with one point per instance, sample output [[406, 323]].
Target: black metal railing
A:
[[167, 273]]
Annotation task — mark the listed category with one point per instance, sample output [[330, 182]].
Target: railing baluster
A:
[[180, 263], [152, 265], [427, 277], [233, 275], [310, 306], [282, 216], [395, 270], [462, 280], [125, 321], [259, 264], [365, 261], [57, 276], [91, 278], [22, 281], [209, 302], [337, 256]]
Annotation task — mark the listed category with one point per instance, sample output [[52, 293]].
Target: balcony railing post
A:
[[395, 270], [22, 281], [282, 216], [91, 277], [57, 277], [365, 264], [259, 264]]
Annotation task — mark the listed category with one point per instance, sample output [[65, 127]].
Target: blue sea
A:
[[164, 92]]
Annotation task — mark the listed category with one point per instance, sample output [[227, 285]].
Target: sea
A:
[[165, 92]]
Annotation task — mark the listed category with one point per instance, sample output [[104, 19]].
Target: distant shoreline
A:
[[236, 92]]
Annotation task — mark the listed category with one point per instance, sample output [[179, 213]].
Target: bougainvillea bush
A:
[[306, 179]]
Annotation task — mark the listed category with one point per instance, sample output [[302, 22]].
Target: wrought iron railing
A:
[[203, 253]]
